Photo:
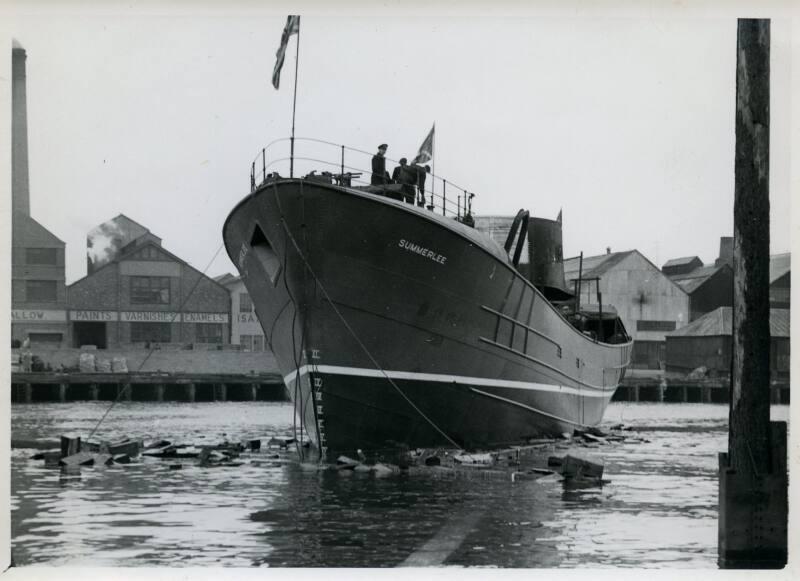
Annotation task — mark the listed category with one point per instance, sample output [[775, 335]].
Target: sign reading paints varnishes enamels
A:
[[148, 317], [422, 251]]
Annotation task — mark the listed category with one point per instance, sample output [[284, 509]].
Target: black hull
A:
[[407, 328]]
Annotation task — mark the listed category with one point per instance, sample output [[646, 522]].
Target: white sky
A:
[[623, 117]]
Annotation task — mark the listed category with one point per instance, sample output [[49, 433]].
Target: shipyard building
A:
[[138, 293]]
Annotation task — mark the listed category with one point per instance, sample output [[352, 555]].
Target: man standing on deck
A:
[[420, 172], [379, 174], [407, 176]]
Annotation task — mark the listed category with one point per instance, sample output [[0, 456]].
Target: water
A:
[[658, 510]]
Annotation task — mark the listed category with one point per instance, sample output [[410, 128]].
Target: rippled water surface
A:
[[658, 508]]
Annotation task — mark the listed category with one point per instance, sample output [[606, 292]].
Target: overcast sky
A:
[[625, 120]]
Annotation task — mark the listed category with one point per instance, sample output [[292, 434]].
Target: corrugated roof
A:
[[680, 261], [693, 280], [593, 266], [779, 264], [720, 322]]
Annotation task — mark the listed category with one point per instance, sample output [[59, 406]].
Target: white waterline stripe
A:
[[441, 378]]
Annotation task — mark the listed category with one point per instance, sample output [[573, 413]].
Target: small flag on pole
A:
[[425, 152], [292, 27]]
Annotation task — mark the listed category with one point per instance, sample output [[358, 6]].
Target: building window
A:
[[246, 341], [150, 290], [655, 325], [148, 253], [41, 256], [258, 342], [245, 303], [208, 332], [43, 291], [151, 332]]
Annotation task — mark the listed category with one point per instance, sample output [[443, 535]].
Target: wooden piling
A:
[[62, 392], [159, 392], [752, 477], [684, 393], [70, 445], [253, 391], [190, 392], [223, 392], [126, 395], [27, 393], [94, 392]]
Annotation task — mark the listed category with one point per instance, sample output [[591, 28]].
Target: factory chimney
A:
[[19, 132], [725, 251]]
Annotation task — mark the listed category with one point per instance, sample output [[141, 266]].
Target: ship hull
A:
[[394, 327]]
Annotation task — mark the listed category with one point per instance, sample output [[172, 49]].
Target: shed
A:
[[707, 342], [681, 265]]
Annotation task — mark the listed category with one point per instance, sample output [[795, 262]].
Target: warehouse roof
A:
[[719, 322], [693, 280], [680, 261], [593, 266], [779, 264]]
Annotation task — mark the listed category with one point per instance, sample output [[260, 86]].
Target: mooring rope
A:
[[150, 352]]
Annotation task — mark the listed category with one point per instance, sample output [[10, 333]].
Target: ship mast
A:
[[294, 102]]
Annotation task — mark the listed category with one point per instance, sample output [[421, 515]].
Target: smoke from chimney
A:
[[102, 245]]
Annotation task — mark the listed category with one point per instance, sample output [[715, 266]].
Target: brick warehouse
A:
[[138, 293]]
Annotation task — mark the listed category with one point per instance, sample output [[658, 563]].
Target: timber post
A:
[[752, 477]]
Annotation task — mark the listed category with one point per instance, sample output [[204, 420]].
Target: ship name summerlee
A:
[[422, 251]]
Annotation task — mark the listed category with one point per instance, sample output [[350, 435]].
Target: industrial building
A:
[[780, 281], [246, 330], [138, 293], [708, 342], [38, 288], [648, 302], [708, 287]]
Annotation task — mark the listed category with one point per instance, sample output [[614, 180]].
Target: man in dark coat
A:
[[379, 174], [405, 174]]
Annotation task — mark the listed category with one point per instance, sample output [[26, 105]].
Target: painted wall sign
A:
[[101, 316], [248, 318], [171, 317], [150, 316], [27, 315], [205, 317], [422, 251]]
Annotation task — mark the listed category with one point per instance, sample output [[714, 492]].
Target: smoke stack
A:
[[725, 251], [20, 193], [546, 258]]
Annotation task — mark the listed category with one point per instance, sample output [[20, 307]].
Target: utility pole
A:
[[753, 485]]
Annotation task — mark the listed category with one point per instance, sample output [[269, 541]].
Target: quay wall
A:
[[168, 360]]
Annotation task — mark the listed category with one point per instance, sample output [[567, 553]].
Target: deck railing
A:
[[351, 167]]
